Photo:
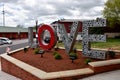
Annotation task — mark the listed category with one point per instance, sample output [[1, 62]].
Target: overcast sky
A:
[[25, 12]]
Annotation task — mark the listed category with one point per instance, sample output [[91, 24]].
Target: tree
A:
[[112, 12]]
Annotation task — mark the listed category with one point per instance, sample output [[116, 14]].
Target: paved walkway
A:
[[5, 76], [112, 75]]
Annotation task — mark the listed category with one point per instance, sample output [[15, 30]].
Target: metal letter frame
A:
[[87, 38]]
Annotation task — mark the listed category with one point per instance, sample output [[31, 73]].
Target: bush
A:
[[72, 54], [57, 56], [87, 61], [111, 54], [25, 49], [36, 50]]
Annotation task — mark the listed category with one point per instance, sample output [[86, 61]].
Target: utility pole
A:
[[3, 16]]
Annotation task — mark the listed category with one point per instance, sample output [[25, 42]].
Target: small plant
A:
[[25, 49], [57, 56], [111, 54], [72, 54], [87, 61], [36, 50]]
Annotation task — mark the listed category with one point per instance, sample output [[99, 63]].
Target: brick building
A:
[[110, 32], [14, 32]]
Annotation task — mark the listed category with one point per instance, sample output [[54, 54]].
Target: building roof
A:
[[13, 29], [71, 20], [68, 20]]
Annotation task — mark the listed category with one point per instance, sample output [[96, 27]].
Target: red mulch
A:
[[48, 63]]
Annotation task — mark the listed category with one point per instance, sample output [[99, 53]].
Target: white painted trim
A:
[[104, 63], [17, 50]]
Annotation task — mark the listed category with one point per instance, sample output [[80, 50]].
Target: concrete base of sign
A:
[[25, 71]]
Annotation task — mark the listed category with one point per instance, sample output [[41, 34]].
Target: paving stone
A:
[[112, 75]]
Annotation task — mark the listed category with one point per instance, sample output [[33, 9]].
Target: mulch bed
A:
[[49, 64]]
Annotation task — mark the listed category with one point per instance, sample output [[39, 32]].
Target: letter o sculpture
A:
[[53, 38]]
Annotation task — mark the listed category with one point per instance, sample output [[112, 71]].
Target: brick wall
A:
[[16, 71]]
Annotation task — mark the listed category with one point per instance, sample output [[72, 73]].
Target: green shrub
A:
[[36, 50], [57, 56], [72, 54], [87, 61], [25, 49], [111, 54]]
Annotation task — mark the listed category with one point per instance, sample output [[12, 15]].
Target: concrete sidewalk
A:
[[5, 76], [112, 75]]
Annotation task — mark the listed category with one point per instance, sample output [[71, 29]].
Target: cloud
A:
[[25, 12], [8, 1]]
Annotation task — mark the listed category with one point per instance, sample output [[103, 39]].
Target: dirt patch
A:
[[49, 64]]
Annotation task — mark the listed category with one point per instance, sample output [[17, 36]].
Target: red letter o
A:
[[53, 38]]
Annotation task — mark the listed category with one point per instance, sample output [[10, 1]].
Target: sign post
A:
[[30, 36]]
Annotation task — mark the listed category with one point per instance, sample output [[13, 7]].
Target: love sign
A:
[[69, 40]]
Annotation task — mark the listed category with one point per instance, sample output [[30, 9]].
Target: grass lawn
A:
[[113, 43]]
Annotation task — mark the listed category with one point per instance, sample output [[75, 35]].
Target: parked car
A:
[[47, 40], [1, 42], [6, 40]]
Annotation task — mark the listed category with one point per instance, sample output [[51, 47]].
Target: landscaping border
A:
[[24, 71]]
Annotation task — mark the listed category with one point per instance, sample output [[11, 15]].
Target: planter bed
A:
[[30, 66]]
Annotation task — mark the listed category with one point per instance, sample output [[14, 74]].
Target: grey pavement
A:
[[112, 75], [16, 44], [5, 76]]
